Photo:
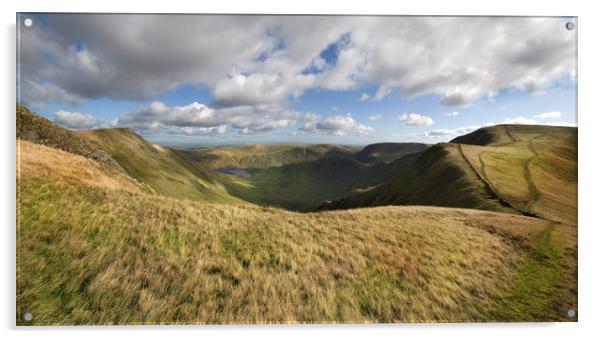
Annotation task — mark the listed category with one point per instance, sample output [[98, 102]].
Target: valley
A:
[[115, 230]]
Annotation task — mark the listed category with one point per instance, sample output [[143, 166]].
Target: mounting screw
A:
[[27, 316], [571, 313], [570, 25], [28, 22]]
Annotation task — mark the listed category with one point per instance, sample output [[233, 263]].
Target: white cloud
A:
[[451, 114], [415, 119], [375, 117], [364, 97], [548, 115], [520, 121], [259, 88], [196, 118], [337, 125], [252, 60], [76, 120], [448, 133]]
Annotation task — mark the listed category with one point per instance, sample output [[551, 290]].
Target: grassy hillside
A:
[[265, 156], [106, 252], [301, 177], [514, 168], [533, 168], [440, 177], [164, 170], [110, 240]]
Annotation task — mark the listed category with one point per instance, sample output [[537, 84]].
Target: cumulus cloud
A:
[[549, 115], [415, 119], [76, 120], [375, 117], [451, 114], [337, 125], [253, 60], [196, 118]]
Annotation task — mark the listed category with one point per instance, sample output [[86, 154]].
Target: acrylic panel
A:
[[245, 169]]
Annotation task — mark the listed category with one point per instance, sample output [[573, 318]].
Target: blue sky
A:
[[262, 79]]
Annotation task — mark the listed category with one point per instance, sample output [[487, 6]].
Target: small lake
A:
[[240, 172]]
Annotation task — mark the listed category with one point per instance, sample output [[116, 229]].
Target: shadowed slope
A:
[[302, 186], [440, 177], [388, 151]]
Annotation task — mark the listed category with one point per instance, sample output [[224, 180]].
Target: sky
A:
[[218, 80]]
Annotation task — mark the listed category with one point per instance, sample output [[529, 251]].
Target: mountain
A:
[[166, 171], [265, 156], [149, 236], [439, 177], [523, 169]]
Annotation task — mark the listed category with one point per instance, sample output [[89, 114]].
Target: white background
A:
[[590, 125]]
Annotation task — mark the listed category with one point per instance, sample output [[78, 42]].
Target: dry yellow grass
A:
[[38, 162], [91, 253]]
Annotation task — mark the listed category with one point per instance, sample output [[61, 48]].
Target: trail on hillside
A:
[[534, 193], [488, 186]]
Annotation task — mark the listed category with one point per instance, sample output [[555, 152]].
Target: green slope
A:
[[165, 170], [440, 177]]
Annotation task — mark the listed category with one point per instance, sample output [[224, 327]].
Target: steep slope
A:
[[165, 170], [265, 156], [94, 248], [515, 168], [389, 151], [440, 176]]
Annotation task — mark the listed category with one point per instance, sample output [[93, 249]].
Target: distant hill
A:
[[516, 168], [265, 156], [388, 151]]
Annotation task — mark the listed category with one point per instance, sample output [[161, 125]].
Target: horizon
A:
[[261, 79]]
